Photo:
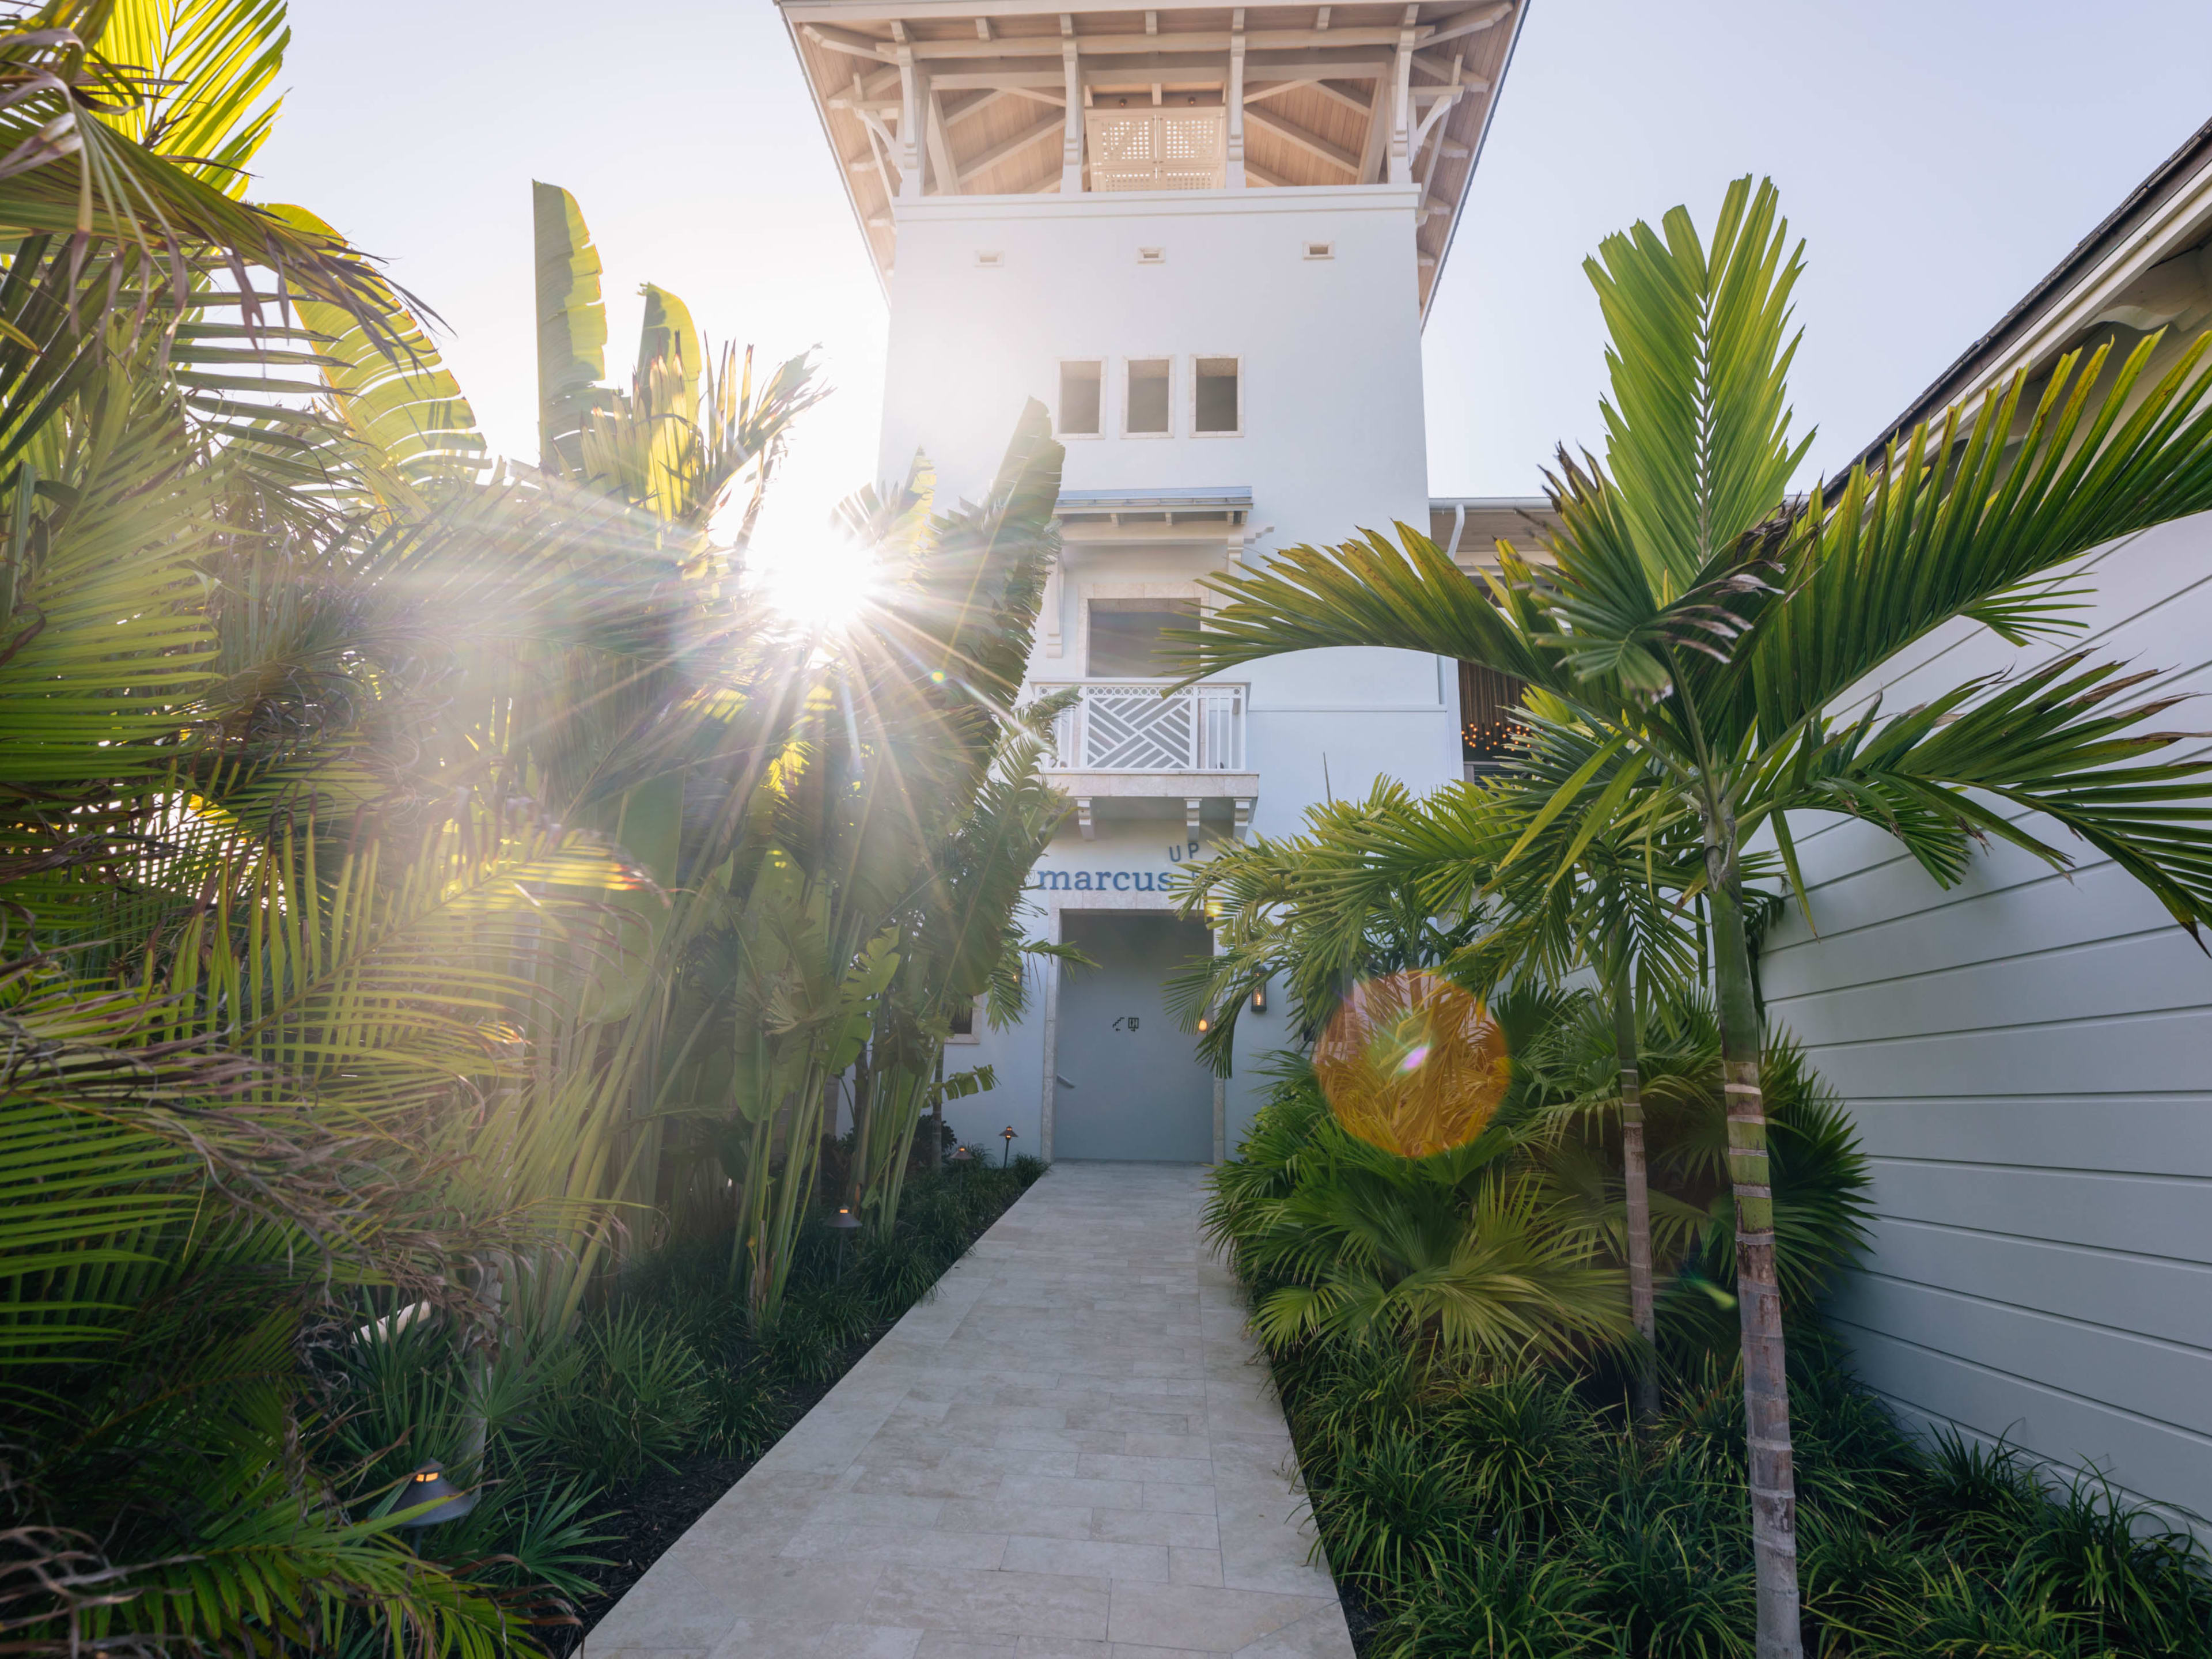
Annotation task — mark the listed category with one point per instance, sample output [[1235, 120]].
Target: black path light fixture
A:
[[428, 1484], [962, 1156], [1007, 1135], [844, 1224]]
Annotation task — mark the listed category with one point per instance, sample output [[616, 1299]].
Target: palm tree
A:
[[1696, 619]]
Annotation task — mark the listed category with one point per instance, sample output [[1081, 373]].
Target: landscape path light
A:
[[1007, 1135], [961, 1155], [843, 1224], [428, 1484]]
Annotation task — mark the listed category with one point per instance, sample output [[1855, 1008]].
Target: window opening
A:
[[1148, 396], [1126, 635], [1489, 738], [1079, 385], [963, 1021], [1215, 397], [1320, 249]]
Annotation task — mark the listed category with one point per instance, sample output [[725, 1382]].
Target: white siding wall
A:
[[2029, 1057]]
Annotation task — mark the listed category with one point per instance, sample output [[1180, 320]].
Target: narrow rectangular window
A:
[[963, 1022], [1215, 396], [1079, 385], [1148, 396]]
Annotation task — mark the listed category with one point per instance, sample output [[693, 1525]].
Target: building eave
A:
[[2161, 217]]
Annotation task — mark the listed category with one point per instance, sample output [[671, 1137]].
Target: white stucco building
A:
[[1206, 238]]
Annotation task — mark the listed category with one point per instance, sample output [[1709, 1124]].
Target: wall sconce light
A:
[[1007, 1135], [1204, 1025], [1260, 999], [428, 1484]]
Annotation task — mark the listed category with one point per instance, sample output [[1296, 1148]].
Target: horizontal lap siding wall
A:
[[2028, 1058]]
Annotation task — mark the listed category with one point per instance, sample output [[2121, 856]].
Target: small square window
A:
[[1214, 399], [1079, 386], [962, 1019], [1320, 249], [1148, 397]]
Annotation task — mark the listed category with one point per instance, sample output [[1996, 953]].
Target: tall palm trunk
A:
[[1636, 1181], [1758, 1293]]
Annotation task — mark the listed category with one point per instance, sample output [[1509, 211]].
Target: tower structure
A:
[[1206, 238]]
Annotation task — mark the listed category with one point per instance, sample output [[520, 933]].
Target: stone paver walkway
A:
[[1069, 1453]]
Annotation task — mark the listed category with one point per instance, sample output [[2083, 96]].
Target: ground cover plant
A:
[[591, 1450], [1482, 1483]]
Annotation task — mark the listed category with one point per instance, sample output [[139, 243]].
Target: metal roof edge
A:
[[1145, 501], [2113, 233]]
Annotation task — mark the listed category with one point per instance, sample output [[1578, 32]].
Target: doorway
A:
[[1130, 1085]]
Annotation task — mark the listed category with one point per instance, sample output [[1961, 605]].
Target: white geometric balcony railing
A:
[[1129, 726]]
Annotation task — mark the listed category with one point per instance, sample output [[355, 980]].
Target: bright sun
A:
[[821, 583]]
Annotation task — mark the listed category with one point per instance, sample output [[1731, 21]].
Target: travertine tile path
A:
[[1070, 1451]]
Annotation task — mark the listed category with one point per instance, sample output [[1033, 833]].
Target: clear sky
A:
[[1938, 156]]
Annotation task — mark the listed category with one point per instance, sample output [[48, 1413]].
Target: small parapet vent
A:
[[990, 258], [1320, 250], [1151, 256]]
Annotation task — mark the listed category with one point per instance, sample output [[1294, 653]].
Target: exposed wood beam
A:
[[1441, 67], [1256, 174], [959, 12], [1310, 142], [1321, 18], [1469, 22], [1375, 149], [982, 28], [1209, 69], [1107, 45], [1361, 106], [1002, 80], [1357, 106], [976, 106], [942, 172], [856, 46], [1050, 127]]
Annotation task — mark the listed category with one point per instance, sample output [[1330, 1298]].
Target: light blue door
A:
[[1130, 1084]]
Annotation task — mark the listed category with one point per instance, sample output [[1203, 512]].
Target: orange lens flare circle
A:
[[1413, 1063]]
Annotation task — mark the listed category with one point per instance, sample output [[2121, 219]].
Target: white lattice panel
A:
[[1133, 728], [1158, 148]]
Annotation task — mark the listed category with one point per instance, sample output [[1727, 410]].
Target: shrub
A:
[[627, 1396], [1512, 1602]]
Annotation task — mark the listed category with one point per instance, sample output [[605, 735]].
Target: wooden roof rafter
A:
[[937, 97]]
